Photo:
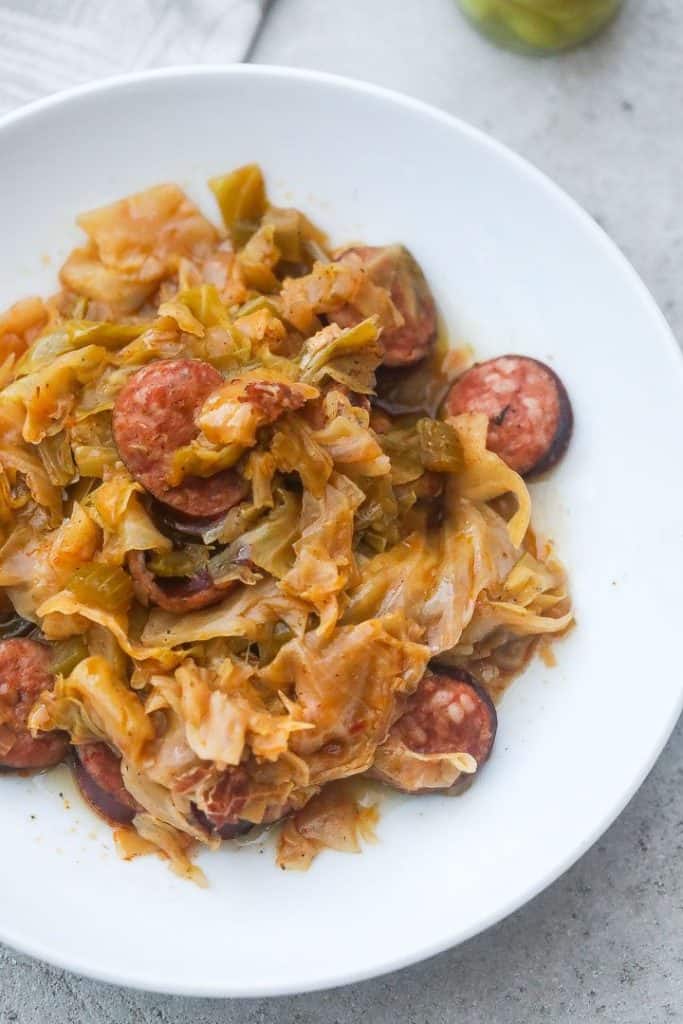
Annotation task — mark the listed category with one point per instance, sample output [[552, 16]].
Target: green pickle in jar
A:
[[540, 26]]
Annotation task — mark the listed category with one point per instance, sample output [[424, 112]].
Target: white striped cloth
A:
[[46, 45]]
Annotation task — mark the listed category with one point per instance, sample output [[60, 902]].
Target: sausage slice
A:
[[225, 804], [530, 415], [154, 415], [178, 526], [449, 714], [394, 268], [25, 671], [174, 595], [98, 774]]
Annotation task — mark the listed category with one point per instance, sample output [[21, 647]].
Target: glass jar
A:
[[540, 26]]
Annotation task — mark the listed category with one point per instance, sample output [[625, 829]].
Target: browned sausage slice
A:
[[530, 415], [394, 268], [154, 415], [225, 804], [449, 714], [174, 595], [25, 671], [98, 774], [224, 829], [179, 527]]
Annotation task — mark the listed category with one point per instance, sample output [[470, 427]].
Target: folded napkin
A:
[[46, 45]]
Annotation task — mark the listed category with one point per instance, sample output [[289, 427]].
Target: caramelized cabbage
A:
[[350, 357], [332, 820], [45, 397], [56, 456], [24, 462], [93, 703], [258, 259], [296, 450], [270, 543], [345, 686], [241, 196], [155, 836], [127, 526], [414, 772], [233, 413], [348, 439], [486, 476], [75, 542], [223, 713], [146, 234], [106, 586], [325, 563], [25, 570], [363, 544], [72, 335], [19, 325], [115, 293], [437, 575], [328, 287], [66, 604], [260, 469]]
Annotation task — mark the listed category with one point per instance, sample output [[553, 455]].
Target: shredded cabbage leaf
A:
[[332, 820], [344, 686], [436, 575], [485, 475], [325, 563], [94, 703], [116, 506]]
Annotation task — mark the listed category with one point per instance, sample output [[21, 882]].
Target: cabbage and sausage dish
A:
[[263, 533]]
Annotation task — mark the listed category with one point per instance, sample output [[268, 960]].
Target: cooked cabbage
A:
[[348, 440], [325, 564], [75, 542], [345, 686], [251, 613], [146, 234], [295, 450], [241, 196], [437, 575], [224, 713], [362, 543], [485, 475], [350, 357], [333, 820], [328, 287], [20, 324], [125, 523], [269, 544], [94, 703], [413, 771], [45, 397]]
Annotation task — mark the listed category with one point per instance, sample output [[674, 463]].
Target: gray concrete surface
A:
[[604, 943]]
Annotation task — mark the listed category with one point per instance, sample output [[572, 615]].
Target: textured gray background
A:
[[604, 943]]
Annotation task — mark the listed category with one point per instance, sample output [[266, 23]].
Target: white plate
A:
[[516, 267]]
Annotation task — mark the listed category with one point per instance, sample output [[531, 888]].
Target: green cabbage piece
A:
[[75, 334], [241, 196], [348, 356]]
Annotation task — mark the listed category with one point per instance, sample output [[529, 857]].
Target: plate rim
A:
[[425, 950]]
